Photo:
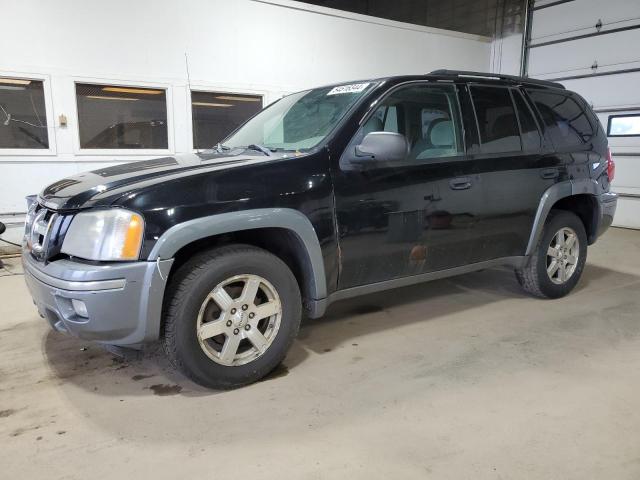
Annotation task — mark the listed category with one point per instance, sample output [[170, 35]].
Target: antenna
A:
[[195, 130]]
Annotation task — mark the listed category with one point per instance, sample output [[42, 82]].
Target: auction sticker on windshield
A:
[[353, 88]]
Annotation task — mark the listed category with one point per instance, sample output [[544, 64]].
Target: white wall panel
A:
[[580, 17], [609, 51], [612, 91]]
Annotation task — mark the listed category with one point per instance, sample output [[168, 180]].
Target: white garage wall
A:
[[609, 94], [263, 47]]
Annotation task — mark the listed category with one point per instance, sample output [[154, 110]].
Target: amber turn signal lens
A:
[[133, 238]]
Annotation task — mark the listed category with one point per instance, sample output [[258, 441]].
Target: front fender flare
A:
[[187, 232]]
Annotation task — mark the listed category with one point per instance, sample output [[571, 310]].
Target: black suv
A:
[[326, 194]]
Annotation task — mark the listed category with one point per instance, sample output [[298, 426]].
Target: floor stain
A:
[[326, 350], [162, 390], [6, 413], [137, 378]]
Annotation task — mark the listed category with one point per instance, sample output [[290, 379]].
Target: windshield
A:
[[298, 121]]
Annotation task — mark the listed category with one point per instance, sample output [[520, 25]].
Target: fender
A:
[[551, 196], [185, 233]]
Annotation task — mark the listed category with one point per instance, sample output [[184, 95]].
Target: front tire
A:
[[556, 265], [232, 313]]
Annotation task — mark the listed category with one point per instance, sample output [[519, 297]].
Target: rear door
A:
[[514, 165]]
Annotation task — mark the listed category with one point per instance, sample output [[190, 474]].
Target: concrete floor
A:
[[460, 378]]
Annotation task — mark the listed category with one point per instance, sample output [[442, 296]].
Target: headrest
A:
[[442, 134]]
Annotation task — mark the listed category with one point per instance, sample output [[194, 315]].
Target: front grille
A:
[[43, 232]]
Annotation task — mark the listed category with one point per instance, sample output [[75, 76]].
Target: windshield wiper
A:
[[221, 148], [259, 148]]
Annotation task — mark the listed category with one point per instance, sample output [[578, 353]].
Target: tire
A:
[[534, 276], [192, 303]]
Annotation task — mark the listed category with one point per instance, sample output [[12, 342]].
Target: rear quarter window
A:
[[566, 121]]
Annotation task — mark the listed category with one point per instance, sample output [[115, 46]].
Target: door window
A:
[[497, 121], [427, 115]]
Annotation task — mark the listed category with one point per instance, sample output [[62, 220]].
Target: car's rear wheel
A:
[[558, 261], [231, 316]]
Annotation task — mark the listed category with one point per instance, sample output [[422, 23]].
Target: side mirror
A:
[[381, 148]]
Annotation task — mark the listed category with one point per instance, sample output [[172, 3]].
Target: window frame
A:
[[475, 117], [49, 115], [611, 117], [208, 88], [136, 152], [529, 107], [375, 104]]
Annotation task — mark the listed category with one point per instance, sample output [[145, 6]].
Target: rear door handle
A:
[[460, 183], [549, 173]]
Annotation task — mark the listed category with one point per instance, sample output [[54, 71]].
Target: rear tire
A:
[[231, 315], [555, 267]]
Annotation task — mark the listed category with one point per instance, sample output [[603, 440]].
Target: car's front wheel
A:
[[558, 261], [232, 314]]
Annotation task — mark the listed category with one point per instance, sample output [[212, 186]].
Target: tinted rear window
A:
[[497, 121], [566, 121]]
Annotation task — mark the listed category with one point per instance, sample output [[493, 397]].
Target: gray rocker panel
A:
[[182, 234]]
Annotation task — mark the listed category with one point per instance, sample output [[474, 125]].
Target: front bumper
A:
[[123, 300]]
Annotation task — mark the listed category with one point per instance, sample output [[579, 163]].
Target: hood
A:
[[98, 187]]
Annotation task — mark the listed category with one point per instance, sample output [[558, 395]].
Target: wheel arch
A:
[[286, 233], [577, 196]]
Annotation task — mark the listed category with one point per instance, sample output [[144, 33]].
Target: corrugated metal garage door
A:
[[591, 46]]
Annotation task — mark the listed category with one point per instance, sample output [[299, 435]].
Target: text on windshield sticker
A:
[[353, 88]]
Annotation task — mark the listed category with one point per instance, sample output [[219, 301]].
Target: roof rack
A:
[[496, 76]]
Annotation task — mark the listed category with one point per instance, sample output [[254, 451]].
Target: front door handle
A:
[[460, 183]]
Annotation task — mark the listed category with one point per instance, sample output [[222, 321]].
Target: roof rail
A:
[[497, 76]]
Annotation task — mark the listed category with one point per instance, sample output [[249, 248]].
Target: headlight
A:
[[105, 235]]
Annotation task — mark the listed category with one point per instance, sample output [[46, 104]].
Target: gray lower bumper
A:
[[123, 300], [608, 203]]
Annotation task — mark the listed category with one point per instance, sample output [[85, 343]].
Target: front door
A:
[[410, 217]]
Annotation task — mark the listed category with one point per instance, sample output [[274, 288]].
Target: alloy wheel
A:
[[562, 255], [239, 320]]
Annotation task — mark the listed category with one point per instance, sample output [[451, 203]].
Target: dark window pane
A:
[[528, 129], [565, 120], [23, 119], [121, 117], [216, 115], [426, 115], [496, 119]]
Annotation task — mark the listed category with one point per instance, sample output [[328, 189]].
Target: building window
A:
[[624, 125], [121, 117], [23, 116], [216, 115]]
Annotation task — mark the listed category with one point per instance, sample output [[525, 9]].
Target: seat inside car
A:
[[439, 141]]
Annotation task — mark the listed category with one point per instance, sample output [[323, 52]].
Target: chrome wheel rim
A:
[[562, 255], [239, 320]]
